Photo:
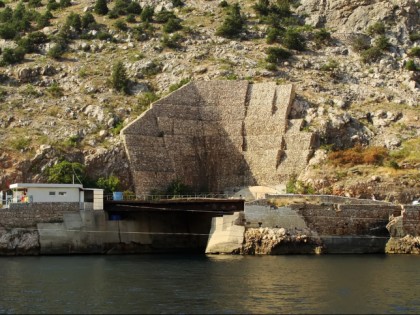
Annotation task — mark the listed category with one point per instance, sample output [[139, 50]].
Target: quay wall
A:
[[314, 228], [26, 215]]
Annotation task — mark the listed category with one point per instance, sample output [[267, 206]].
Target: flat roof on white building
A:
[[36, 185]]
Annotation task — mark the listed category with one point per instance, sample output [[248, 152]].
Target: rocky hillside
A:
[[355, 65]]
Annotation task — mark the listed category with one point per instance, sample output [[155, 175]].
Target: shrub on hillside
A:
[[382, 42], [376, 29], [293, 39], [52, 5], [101, 7], [121, 25], [164, 16], [65, 3], [88, 21], [277, 54], [119, 78], [147, 13], [234, 23], [371, 54], [172, 25], [411, 65], [12, 56], [414, 52]]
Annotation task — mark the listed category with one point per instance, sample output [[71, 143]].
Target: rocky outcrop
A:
[[404, 230], [275, 241], [346, 16], [19, 241]]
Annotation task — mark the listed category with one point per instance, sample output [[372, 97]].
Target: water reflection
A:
[[220, 284]]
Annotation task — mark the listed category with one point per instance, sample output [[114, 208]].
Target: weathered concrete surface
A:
[[218, 134], [92, 232], [226, 234]]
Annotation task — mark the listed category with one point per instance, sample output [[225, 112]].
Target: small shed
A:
[[88, 198]]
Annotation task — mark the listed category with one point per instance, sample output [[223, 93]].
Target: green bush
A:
[[262, 7], [177, 187], [164, 16], [119, 78], [177, 3], [359, 43], [65, 3], [181, 83], [88, 21], [376, 29], [121, 25], [134, 8], [322, 37], [74, 22], [109, 184], [331, 65], [171, 41], [55, 90], [6, 15], [414, 36], [274, 35], [52, 5], [12, 56], [234, 23], [371, 54], [172, 25], [411, 65], [382, 42], [8, 31], [147, 13], [30, 43], [20, 143], [293, 39], [101, 7], [277, 54], [414, 52], [145, 99], [35, 3], [56, 51], [131, 18]]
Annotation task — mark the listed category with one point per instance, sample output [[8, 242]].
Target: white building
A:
[[88, 198]]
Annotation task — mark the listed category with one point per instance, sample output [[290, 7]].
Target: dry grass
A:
[[358, 155]]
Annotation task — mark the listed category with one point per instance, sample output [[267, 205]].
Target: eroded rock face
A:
[[273, 241], [347, 16], [19, 242]]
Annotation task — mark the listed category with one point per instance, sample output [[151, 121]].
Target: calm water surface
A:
[[169, 284]]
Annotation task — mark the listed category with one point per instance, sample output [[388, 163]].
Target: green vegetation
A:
[[376, 29], [277, 54], [181, 83], [109, 184], [63, 172], [177, 187], [331, 65], [411, 65], [409, 151], [55, 90], [234, 23], [295, 186], [101, 7], [171, 41], [414, 52], [119, 78], [20, 143]]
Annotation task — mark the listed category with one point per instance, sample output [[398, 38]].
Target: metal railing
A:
[[145, 197]]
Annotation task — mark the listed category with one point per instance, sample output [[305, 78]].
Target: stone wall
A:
[[218, 134], [26, 215]]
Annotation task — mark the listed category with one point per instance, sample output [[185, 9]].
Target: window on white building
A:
[[52, 193], [62, 193]]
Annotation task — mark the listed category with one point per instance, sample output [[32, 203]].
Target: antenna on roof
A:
[[74, 174]]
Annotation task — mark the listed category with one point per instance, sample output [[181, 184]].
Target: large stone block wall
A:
[[216, 135], [26, 215]]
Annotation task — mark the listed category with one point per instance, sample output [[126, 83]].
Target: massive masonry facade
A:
[[214, 135]]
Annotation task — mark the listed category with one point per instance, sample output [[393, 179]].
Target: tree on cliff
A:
[[234, 24], [109, 184]]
